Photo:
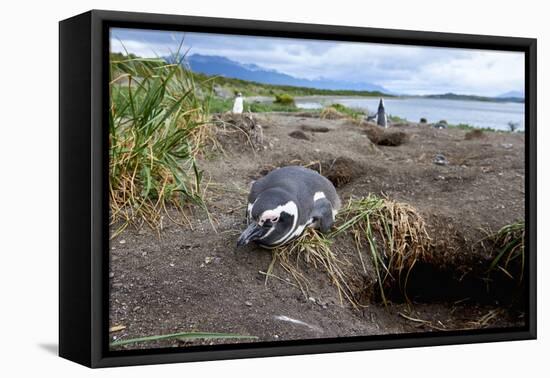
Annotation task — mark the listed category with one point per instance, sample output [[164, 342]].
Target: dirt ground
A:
[[195, 278]]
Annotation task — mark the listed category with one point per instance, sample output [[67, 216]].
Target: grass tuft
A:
[[389, 234], [392, 234], [157, 125], [509, 243]]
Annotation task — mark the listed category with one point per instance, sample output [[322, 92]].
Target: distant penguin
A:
[[382, 119], [286, 201], [238, 104]]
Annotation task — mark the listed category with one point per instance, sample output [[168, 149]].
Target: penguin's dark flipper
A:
[[322, 215]]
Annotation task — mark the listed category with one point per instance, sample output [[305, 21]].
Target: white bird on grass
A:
[[238, 104]]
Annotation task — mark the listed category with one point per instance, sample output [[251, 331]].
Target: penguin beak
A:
[[252, 232]]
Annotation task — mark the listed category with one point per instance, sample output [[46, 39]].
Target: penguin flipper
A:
[[322, 215]]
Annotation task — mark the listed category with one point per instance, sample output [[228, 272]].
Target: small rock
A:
[[111, 275], [122, 241], [172, 265], [248, 303], [440, 159], [507, 145], [208, 260], [312, 299], [137, 308]]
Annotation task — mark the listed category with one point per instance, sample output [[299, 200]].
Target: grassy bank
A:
[[220, 105]]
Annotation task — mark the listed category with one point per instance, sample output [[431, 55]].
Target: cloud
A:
[[399, 68]]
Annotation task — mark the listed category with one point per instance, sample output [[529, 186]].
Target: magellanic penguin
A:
[[382, 119], [238, 104], [286, 201]]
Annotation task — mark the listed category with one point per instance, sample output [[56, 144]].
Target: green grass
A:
[[182, 336], [157, 125], [218, 105], [509, 243], [284, 99], [397, 119], [353, 113], [468, 127], [262, 107]]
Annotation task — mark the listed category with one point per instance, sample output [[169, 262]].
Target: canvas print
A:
[[268, 189]]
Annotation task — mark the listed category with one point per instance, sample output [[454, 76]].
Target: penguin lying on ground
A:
[[286, 201]]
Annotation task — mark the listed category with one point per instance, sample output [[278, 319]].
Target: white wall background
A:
[[29, 185]]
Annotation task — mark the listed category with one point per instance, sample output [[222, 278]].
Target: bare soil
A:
[[194, 278]]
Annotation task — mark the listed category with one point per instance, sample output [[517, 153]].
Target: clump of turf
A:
[[388, 235], [392, 234], [382, 137], [331, 113], [239, 128], [284, 99], [509, 244]]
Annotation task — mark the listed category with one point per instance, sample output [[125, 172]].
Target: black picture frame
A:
[[83, 181]]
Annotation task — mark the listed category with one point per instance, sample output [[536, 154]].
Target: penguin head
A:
[[381, 104], [272, 219]]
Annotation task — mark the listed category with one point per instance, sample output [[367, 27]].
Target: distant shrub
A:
[[423, 120], [397, 119], [284, 99], [264, 107], [339, 110]]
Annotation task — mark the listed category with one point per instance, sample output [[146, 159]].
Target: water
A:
[[495, 115]]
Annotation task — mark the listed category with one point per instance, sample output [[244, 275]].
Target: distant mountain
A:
[[512, 94], [218, 65], [454, 96]]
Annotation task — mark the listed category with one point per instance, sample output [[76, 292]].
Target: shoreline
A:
[[461, 113]]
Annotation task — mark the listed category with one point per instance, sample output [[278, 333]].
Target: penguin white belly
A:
[[238, 106]]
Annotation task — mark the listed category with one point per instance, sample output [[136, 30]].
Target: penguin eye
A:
[[275, 220]]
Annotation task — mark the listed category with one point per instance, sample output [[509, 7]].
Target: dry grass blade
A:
[[314, 249], [394, 234], [390, 235]]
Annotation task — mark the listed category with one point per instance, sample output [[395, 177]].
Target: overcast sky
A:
[[400, 69]]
